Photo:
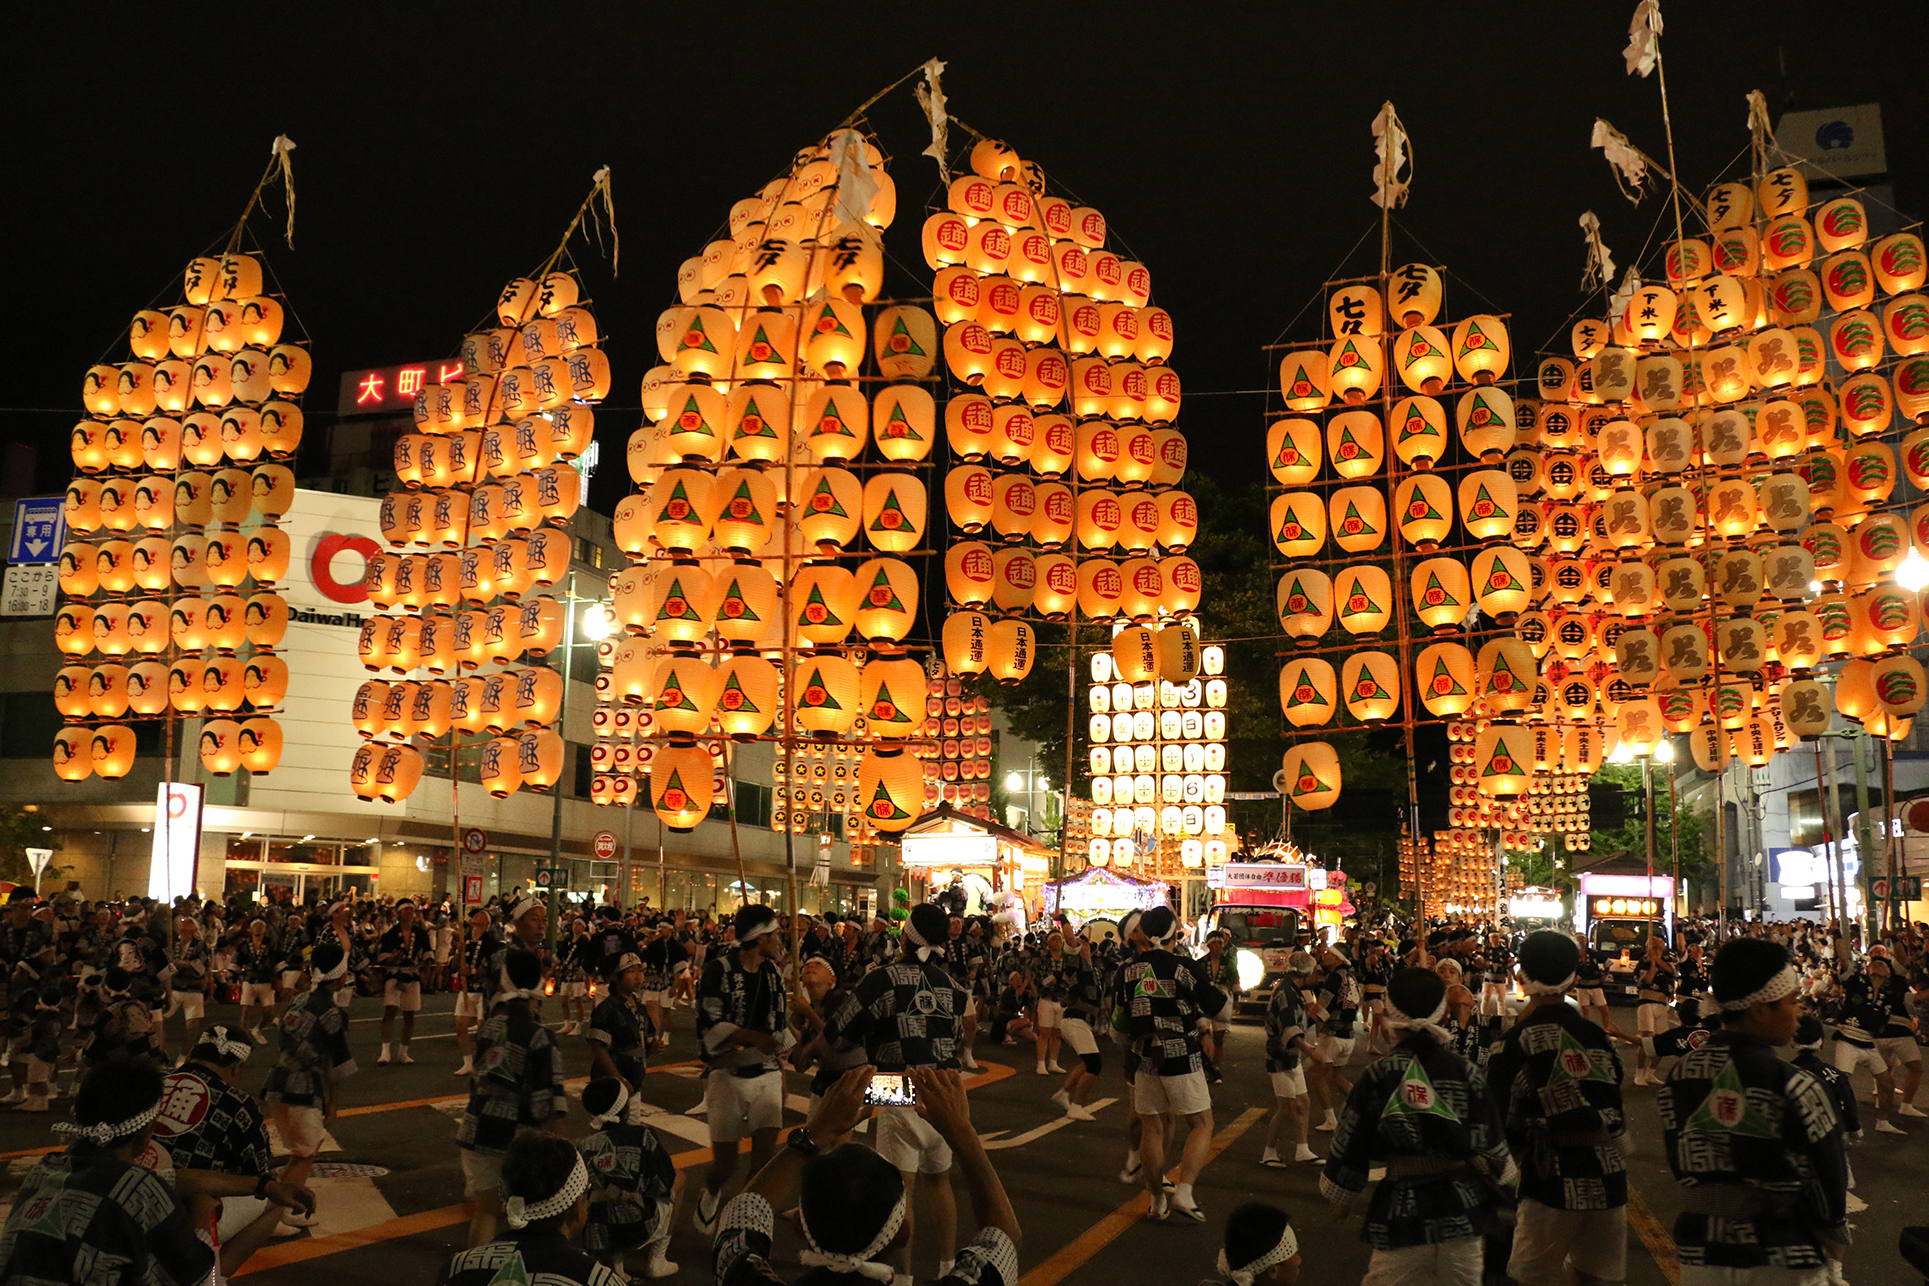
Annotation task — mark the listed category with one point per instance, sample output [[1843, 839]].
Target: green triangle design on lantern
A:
[[1501, 667], [690, 408], [1347, 440], [1280, 460], [673, 687], [1360, 693], [1415, 1095], [824, 489], [676, 493], [703, 337], [736, 591], [1500, 763], [1349, 357], [776, 358], [831, 417], [1574, 1062], [676, 595], [730, 684], [836, 326], [889, 812], [911, 347], [1441, 671], [890, 505], [1307, 782], [1726, 1109], [1479, 415], [1417, 425], [1290, 516], [884, 579], [816, 680], [1418, 349], [1476, 338], [884, 697], [830, 617], [1315, 700], [898, 428], [1429, 514], [752, 410], [1366, 528], [743, 493], [1446, 599], [1347, 603]]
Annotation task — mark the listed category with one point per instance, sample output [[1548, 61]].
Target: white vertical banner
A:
[[177, 841]]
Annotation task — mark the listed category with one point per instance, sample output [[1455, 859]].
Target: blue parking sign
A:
[[39, 530]]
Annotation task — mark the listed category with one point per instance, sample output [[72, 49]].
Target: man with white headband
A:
[[1288, 1032], [1754, 1141], [742, 1032], [1862, 1020], [544, 1197], [1260, 1246], [222, 1162], [314, 1057], [633, 1182], [91, 1206], [850, 1204], [1166, 1006], [1558, 1084], [910, 1013], [517, 1088], [400, 954], [1424, 1114], [1338, 998]]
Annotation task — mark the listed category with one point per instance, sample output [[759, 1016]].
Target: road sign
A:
[[30, 590], [39, 530], [603, 845], [556, 877], [474, 839], [471, 890], [1904, 888], [38, 858]]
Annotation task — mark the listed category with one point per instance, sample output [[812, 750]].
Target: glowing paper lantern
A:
[[1310, 772]]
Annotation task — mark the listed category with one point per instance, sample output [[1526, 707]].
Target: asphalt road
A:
[[391, 1196]]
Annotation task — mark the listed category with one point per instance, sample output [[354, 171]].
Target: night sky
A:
[[442, 148]]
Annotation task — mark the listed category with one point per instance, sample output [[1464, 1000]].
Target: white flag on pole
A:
[[931, 98], [1644, 33], [1394, 153], [1630, 164], [1600, 263]]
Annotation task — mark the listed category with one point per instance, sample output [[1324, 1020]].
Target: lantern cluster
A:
[[1063, 492], [1158, 768], [168, 580], [476, 534], [781, 496], [1714, 509], [1458, 873], [957, 745], [1391, 516]]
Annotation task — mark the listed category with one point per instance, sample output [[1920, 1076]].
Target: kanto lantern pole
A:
[[1890, 841]]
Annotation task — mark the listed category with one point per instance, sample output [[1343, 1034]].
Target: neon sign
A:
[[385, 389]]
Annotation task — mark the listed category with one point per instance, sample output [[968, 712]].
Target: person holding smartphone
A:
[[910, 1014]]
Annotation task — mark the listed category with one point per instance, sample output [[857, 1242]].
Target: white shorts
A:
[[468, 1004], [1899, 1049], [1155, 1095], [301, 1129], [1848, 1057], [406, 996], [258, 993], [1289, 1084], [481, 1175], [1445, 1263], [290, 979], [1653, 1018], [1050, 1013], [1591, 997], [654, 997], [237, 1213], [1701, 1275], [190, 1004], [1594, 1241], [908, 1142], [1077, 1033], [737, 1106], [1336, 1050], [573, 989]]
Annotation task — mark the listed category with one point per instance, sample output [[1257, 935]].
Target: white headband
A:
[[615, 1112], [763, 927], [1782, 984], [1243, 1276], [1398, 1020], [521, 1214], [341, 967], [523, 906], [108, 1131], [221, 1044], [916, 939], [337, 906], [1532, 988], [861, 1263]]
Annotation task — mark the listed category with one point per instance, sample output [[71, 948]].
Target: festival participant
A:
[[633, 1182], [1375, 968], [1260, 1246], [742, 1033], [1864, 1014], [340, 931], [1287, 1029], [1590, 984], [1338, 995], [400, 955], [907, 1014], [1050, 1006], [473, 985], [1424, 1114], [90, 1215], [659, 954], [1557, 1083], [1656, 982], [215, 1135], [1896, 1040], [816, 1053], [1084, 1003], [619, 1030], [294, 943], [313, 1058], [544, 1197], [850, 1204], [517, 1087], [1754, 1141], [573, 962], [1166, 1008], [1011, 1015], [257, 962]]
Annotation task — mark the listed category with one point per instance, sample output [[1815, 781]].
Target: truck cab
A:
[[1262, 939], [1619, 946]]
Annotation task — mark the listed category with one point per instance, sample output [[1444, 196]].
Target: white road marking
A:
[[1040, 1131]]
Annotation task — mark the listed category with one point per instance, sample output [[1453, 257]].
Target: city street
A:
[[391, 1199]]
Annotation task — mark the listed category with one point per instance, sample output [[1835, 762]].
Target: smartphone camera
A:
[[890, 1089]]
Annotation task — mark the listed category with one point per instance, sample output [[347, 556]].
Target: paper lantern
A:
[[1806, 708], [747, 697], [110, 750], [1010, 647], [1308, 692], [1013, 578], [1293, 451], [705, 343], [826, 696], [890, 788], [1303, 378], [1487, 503], [839, 423], [1421, 357], [1099, 516], [1054, 449], [1855, 690], [686, 694], [1100, 588], [1354, 370], [679, 511], [73, 753], [696, 426], [1362, 600], [1503, 761], [1446, 678], [824, 602], [887, 598], [220, 746], [1144, 588], [1370, 685], [259, 742], [1298, 524], [1310, 775], [1303, 601], [1135, 654], [539, 758], [965, 642], [1054, 586], [1481, 348], [906, 342], [1013, 503], [498, 767]]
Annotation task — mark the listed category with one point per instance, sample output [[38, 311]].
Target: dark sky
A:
[[443, 147]]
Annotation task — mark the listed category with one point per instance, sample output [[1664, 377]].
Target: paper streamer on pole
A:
[[931, 98], [1390, 145], [1630, 164], [1600, 263], [1643, 51], [280, 150], [855, 186]]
